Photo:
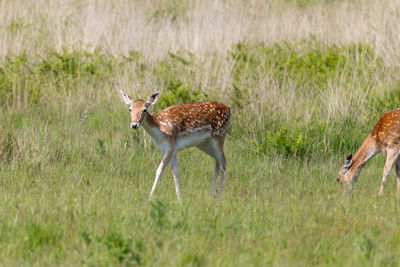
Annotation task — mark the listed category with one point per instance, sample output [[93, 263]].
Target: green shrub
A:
[[122, 248], [307, 64], [307, 140], [179, 93], [291, 140], [23, 81]]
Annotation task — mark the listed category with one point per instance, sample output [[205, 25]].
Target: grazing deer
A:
[[384, 138], [202, 124]]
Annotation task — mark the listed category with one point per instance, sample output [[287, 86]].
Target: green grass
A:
[[76, 193]]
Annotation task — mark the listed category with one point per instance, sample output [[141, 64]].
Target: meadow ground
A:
[[306, 80]]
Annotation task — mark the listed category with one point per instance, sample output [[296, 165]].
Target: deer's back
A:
[[207, 116], [386, 132]]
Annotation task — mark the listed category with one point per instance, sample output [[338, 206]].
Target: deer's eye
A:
[[130, 109], [144, 110]]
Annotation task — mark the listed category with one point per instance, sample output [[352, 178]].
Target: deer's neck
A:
[[153, 129], [367, 150]]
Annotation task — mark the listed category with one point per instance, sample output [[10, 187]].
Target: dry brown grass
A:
[[201, 27]]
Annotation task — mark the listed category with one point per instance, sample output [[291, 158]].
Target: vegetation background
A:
[[306, 80]]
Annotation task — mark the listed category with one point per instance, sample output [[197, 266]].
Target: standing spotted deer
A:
[[384, 138], [202, 124]]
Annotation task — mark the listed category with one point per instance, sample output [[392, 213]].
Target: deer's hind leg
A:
[[207, 147], [219, 148], [174, 166], [215, 147], [398, 175]]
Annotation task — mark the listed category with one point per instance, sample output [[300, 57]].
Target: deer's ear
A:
[[153, 98], [348, 161], [125, 97]]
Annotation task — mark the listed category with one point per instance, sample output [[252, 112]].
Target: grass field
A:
[[306, 81]]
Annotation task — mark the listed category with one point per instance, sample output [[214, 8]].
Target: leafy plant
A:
[[309, 64], [122, 248], [179, 93]]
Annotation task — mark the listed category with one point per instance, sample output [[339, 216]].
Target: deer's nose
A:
[[135, 125]]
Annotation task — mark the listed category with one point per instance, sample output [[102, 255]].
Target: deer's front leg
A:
[[166, 159], [391, 158]]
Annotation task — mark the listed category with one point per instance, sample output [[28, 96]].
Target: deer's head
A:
[[347, 175], [138, 107]]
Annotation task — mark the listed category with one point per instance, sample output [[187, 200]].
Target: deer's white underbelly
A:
[[191, 140]]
